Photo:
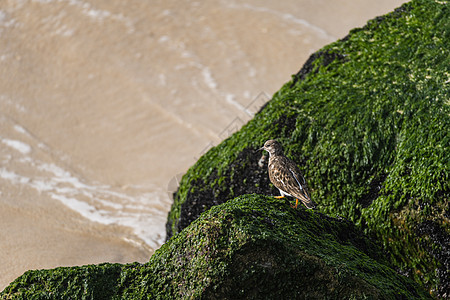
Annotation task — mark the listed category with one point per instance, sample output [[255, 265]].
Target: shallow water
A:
[[103, 104]]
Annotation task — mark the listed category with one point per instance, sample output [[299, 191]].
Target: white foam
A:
[[230, 98], [252, 72], [20, 129], [98, 14], [96, 202], [162, 79], [2, 16], [41, 185], [13, 177], [86, 210], [166, 12], [42, 1], [90, 11], [163, 39], [286, 16], [64, 31], [208, 78], [186, 54], [17, 145]]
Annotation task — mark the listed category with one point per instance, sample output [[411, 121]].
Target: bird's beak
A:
[[262, 148]]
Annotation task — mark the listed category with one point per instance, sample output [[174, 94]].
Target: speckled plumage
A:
[[285, 175]]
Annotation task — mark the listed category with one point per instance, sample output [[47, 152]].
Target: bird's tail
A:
[[308, 203]]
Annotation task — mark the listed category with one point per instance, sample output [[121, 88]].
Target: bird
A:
[[285, 175]]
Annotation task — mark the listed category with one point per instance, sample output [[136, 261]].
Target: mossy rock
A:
[[253, 247], [367, 121]]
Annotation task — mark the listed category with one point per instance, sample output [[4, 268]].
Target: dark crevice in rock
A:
[[326, 59], [375, 187], [437, 242]]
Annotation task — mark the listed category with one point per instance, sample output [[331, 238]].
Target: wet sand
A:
[[103, 103]]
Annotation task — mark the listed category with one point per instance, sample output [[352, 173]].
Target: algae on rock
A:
[[366, 120], [250, 247]]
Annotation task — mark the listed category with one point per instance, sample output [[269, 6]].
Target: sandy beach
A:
[[104, 104]]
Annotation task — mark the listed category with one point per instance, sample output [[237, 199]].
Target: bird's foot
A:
[[279, 197], [296, 204]]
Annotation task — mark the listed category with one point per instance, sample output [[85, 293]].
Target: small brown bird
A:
[[285, 175]]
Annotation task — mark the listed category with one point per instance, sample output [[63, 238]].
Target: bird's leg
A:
[[296, 204], [279, 197]]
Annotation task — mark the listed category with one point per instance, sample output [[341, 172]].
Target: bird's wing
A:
[[298, 181], [300, 188], [301, 185], [301, 182], [288, 178]]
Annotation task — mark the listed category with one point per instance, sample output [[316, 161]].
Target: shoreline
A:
[[52, 235]]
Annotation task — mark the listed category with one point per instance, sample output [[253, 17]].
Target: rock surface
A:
[[366, 120], [248, 247]]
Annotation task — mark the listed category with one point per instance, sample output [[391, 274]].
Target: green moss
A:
[[368, 124], [249, 247], [87, 282]]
